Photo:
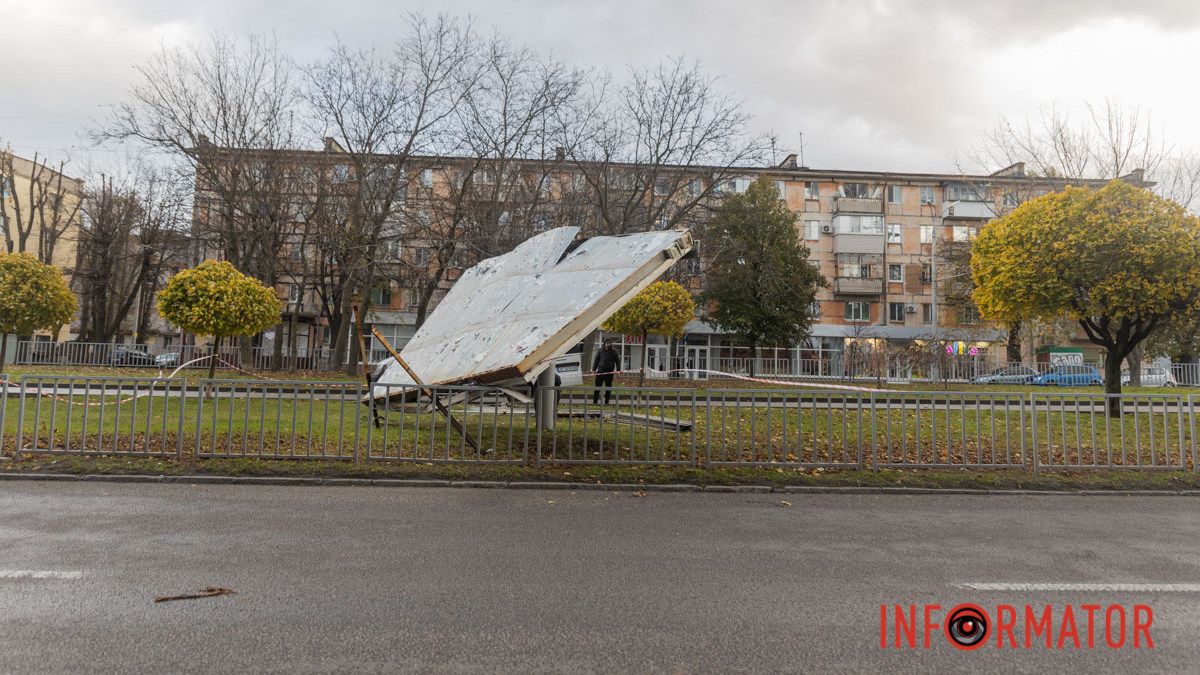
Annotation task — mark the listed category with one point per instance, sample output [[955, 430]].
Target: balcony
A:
[[845, 242], [969, 210], [857, 205], [857, 286]]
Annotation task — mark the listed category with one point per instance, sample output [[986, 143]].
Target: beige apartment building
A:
[[40, 215], [893, 246]]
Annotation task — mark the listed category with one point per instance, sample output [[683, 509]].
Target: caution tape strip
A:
[[737, 376]]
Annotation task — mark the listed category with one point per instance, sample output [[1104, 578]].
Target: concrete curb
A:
[[203, 479]]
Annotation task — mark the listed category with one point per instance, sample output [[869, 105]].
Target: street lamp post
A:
[[941, 221]]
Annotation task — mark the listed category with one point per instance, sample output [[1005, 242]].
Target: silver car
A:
[[1154, 376], [1007, 375]]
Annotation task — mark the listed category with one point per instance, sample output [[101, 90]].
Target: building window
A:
[[814, 310], [812, 230], [662, 186], [781, 188], [426, 178], [414, 298], [926, 313], [422, 256], [968, 314], [856, 265], [695, 187], [965, 232], [295, 293], [663, 222], [893, 233], [812, 190], [1010, 200], [926, 195], [926, 234], [858, 311], [341, 173], [382, 297], [965, 193], [926, 273], [895, 194], [896, 312], [816, 264], [856, 190], [738, 185], [895, 272], [858, 224]]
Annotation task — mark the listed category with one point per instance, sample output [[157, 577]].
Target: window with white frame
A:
[[662, 185], [894, 233], [781, 188], [926, 195], [426, 178], [896, 312], [858, 311], [926, 313], [926, 234], [858, 223], [812, 190], [814, 310], [895, 194], [695, 187], [965, 192], [812, 230], [965, 232], [341, 173], [295, 293], [895, 272]]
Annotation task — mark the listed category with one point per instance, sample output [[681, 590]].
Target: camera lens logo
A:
[[967, 627]]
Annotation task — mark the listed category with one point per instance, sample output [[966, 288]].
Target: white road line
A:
[[40, 574], [1144, 588]]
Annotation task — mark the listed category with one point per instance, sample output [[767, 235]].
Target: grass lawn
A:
[[761, 426]]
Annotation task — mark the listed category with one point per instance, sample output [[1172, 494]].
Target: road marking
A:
[[40, 574], [1145, 588]]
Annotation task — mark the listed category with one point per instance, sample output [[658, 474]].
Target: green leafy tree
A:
[[215, 299], [662, 308], [33, 296], [760, 284], [1119, 260]]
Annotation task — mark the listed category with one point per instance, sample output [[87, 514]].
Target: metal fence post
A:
[[1192, 428], [20, 435], [1033, 435]]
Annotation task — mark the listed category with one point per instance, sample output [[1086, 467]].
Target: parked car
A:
[[167, 359], [1154, 377], [1008, 375], [1070, 376], [129, 356]]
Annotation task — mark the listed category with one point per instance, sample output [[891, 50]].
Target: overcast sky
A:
[[895, 85]]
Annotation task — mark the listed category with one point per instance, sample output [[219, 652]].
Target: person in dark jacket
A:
[[607, 362]]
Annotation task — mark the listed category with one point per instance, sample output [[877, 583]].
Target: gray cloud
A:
[[882, 85]]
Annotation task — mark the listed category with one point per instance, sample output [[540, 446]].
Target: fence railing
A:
[[105, 354], [650, 426]]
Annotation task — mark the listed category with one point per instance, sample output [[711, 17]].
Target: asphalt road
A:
[[375, 579]]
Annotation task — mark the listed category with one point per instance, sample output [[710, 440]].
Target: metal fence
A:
[[107, 354], [651, 426]]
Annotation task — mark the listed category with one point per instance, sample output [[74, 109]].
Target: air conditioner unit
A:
[[910, 308], [827, 229]]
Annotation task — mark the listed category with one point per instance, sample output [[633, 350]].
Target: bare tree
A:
[[225, 109], [40, 204], [133, 230], [657, 146], [382, 111]]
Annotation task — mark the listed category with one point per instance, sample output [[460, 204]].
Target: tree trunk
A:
[[341, 339], [642, 372], [277, 348], [3, 351], [1012, 350], [1112, 385], [1134, 361], [212, 360]]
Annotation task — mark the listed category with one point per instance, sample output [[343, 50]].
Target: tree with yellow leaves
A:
[[662, 308], [1119, 260], [213, 298], [33, 296]]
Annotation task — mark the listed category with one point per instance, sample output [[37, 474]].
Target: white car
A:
[[1154, 377]]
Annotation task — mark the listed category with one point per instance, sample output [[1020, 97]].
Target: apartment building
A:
[[893, 246]]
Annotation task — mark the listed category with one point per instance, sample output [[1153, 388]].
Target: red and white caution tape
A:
[[736, 376]]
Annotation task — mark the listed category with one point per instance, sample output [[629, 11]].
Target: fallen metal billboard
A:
[[508, 318]]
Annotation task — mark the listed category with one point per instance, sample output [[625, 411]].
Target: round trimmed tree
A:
[[215, 299], [33, 296], [662, 308]]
